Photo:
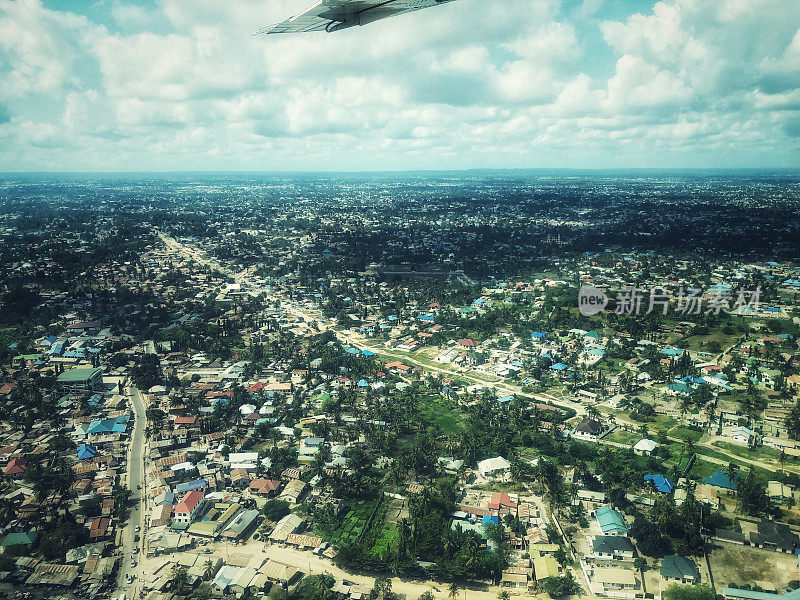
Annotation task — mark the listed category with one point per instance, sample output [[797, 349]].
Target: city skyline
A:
[[169, 85]]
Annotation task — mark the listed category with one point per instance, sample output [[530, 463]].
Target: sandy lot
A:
[[732, 563]]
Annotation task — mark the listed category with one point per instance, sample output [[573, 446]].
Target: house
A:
[[285, 527], [118, 424], [612, 547], [190, 486], [494, 467], [721, 481], [186, 509], [741, 435], [676, 569], [730, 537], [15, 467], [264, 487], [679, 389], [86, 451], [779, 492], [645, 447], [20, 539], [774, 536], [611, 521], [242, 526], [590, 429], [590, 500], [293, 491], [660, 483], [501, 501], [81, 379], [544, 567], [614, 579], [281, 573]]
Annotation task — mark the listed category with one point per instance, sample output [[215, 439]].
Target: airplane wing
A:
[[334, 15]]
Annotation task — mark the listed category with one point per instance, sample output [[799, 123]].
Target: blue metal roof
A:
[[610, 520], [197, 484], [663, 485], [721, 480]]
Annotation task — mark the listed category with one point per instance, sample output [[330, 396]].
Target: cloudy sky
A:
[[90, 85]]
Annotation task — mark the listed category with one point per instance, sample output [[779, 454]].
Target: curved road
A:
[[357, 340]]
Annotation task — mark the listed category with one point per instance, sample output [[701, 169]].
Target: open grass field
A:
[[700, 342], [682, 432], [351, 525], [763, 453], [441, 413], [620, 436]]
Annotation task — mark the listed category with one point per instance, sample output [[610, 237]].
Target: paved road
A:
[[355, 339], [135, 479]]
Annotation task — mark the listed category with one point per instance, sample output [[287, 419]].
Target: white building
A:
[[494, 467]]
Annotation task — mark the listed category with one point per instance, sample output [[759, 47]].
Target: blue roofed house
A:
[[721, 480], [86, 451], [118, 424], [661, 483], [190, 486], [672, 352], [611, 521], [679, 388], [19, 539], [676, 569]]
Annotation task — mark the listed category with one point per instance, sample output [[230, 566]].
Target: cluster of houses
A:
[[87, 429]]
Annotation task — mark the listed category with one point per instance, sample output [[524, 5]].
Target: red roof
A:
[[499, 501], [189, 502], [15, 466], [468, 343], [264, 486], [185, 420], [257, 386]]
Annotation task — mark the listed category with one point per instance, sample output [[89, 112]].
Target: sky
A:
[[182, 85]]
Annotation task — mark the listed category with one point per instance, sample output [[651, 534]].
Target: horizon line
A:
[[783, 170]]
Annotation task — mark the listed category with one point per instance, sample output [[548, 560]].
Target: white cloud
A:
[[470, 83]]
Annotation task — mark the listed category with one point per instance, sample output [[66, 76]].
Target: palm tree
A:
[[454, 589], [209, 570], [179, 579]]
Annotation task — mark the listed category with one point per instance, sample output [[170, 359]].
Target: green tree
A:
[[382, 590], [453, 590], [688, 592], [179, 582], [275, 510], [793, 423], [561, 587]]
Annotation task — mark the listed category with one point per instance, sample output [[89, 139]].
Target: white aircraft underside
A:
[[334, 15]]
